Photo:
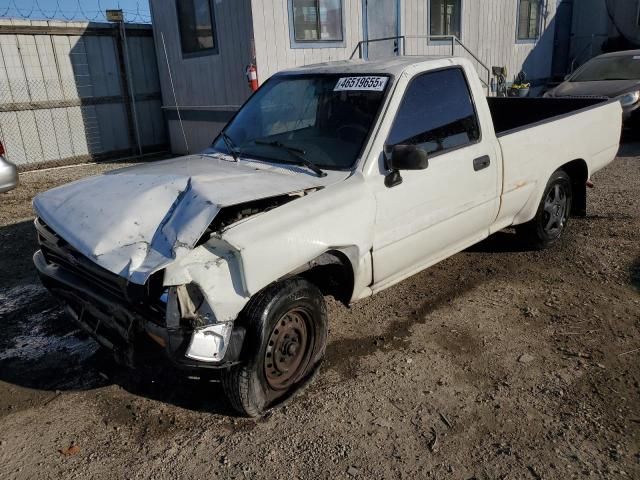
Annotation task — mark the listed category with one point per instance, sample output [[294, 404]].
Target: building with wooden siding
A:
[[206, 45]]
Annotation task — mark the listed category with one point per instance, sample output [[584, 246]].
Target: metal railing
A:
[[400, 42], [362, 52]]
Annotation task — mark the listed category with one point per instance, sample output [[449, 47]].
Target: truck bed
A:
[[537, 136], [509, 113]]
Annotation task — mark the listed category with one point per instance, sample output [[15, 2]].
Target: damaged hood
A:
[[137, 220]]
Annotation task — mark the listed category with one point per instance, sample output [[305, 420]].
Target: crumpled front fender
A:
[[238, 262], [216, 268]]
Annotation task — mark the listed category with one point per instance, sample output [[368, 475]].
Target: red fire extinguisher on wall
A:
[[252, 77]]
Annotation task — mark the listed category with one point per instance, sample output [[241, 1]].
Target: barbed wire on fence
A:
[[64, 10]]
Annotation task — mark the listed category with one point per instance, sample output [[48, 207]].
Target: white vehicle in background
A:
[[337, 179], [8, 173]]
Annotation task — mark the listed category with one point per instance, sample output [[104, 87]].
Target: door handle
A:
[[481, 162]]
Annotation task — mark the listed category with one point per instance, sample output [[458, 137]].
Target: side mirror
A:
[[403, 157]]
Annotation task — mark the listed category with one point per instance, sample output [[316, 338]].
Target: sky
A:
[[91, 10]]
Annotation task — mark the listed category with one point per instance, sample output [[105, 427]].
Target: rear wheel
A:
[[552, 215], [285, 344]]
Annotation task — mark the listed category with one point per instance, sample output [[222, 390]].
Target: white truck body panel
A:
[[438, 211], [530, 155], [137, 221], [267, 247]]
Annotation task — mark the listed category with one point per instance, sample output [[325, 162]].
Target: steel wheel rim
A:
[[555, 210], [288, 349]]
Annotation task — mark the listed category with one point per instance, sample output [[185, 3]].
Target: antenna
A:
[[173, 89]]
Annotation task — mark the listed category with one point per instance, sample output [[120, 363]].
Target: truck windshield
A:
[[623, 67], [324, 118]]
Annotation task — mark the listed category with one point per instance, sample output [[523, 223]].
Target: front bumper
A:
[[125, 327]]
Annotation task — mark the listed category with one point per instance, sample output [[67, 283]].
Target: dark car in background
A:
[[612, 75]]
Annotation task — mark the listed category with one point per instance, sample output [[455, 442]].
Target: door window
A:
[[317, 20], [197, 27], [444, 17], [528, 19], [436, 113]]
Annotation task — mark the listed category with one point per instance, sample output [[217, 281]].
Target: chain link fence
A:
[[65, 93]]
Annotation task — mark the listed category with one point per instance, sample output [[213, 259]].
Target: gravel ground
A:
[[497, 363]]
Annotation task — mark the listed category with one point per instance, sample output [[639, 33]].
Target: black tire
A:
[[285, 343], [550, 221]]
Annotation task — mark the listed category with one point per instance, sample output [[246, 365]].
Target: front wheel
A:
[[285, 344], [552, 215]]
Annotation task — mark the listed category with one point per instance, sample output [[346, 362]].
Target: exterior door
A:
[[450, 205], [381, 20]]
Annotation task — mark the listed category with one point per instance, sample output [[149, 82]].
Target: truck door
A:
[[448, 206]]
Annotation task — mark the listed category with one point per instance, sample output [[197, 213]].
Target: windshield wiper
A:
[[296, 153], [230, 144]]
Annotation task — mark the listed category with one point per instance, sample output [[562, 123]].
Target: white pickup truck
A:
[[336, 179]]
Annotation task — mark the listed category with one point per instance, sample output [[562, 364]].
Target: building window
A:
[[444, 16], [317, 20], [436, 113], [528, 19], [197, 27]]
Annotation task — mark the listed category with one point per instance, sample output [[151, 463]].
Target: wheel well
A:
[[578, 172], [332, 273]]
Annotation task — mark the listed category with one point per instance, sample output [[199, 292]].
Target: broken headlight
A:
[[187, 307]]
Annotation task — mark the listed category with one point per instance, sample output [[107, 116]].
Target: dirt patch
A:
[[496, 363]]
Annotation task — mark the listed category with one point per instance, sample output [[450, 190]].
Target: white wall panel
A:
[[488, 30]]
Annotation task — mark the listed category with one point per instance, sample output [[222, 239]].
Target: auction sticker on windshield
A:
[[375, 84]]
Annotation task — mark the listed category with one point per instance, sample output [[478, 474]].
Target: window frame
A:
[[473, 104], [538, 27], [215, 50], [441, 41], [294, 43]]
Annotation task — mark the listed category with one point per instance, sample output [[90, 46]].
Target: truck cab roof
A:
[[390, 65]]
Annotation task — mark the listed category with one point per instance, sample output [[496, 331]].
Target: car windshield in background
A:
[[625, 67], [324, 118]]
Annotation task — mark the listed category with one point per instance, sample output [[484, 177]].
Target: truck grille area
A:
[[96, 291]]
